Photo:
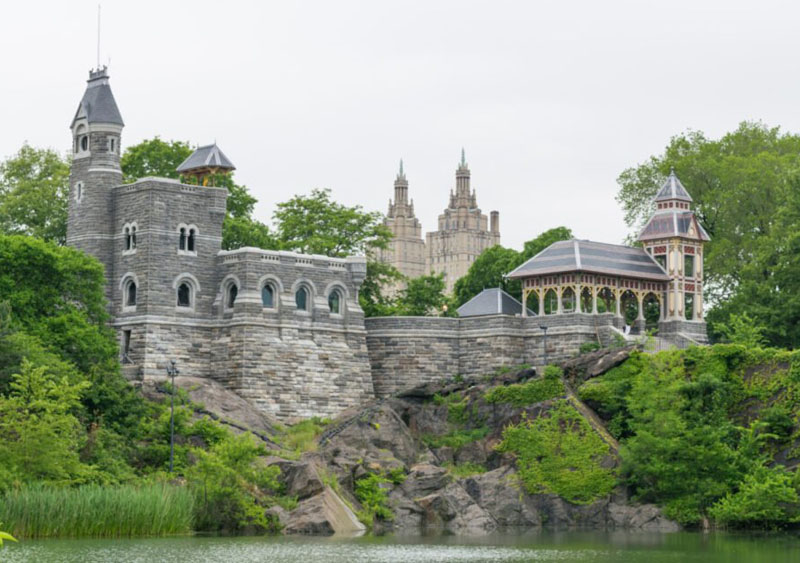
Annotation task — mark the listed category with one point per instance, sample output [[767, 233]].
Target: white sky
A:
[[552, 100]]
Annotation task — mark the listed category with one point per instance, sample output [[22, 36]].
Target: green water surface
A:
[[589, 547]]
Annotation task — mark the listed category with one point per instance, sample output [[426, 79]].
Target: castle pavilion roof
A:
[[492, 301], [673, 189], [206, 157], [591, 257]]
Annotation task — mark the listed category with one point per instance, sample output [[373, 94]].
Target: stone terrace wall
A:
[[409, 351]]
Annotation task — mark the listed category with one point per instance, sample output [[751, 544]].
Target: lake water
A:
[[562, 547]]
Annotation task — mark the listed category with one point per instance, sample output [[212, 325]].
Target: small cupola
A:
[[204, 164]]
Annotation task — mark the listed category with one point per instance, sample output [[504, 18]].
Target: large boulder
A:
[[498, 492], [640, 517], [423, 479], [300, 478], [452, 510], [323, 514]]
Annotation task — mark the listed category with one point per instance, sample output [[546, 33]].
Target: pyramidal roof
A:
[[492, 301], [98, 104], [208, 156], [672, 189]]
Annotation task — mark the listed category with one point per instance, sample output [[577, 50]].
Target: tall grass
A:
[[97, 511]]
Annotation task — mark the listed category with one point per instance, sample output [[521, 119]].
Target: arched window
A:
[[190, 241], [301, 298], [184, 295], [127, 238], [133, 237], [182, 240], [335, 302], [130, 294], [268, 296], [85, 143], [233, 291]]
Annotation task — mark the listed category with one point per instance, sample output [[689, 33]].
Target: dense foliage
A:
[[701, 428], [560, 453], [548, 387], [746, 193], [34, 185]]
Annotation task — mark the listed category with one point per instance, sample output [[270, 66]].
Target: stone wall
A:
[[409, 351]]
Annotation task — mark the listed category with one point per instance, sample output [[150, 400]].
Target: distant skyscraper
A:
[[464, 232]]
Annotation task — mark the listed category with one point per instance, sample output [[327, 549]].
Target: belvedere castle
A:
[[285, 330]]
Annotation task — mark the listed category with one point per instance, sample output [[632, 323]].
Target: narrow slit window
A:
[[182, 241], [184, 295], [233, 292], [268, 296], [190, 241]]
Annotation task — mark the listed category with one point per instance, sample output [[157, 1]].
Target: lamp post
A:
[[172, 371], [544, 329]]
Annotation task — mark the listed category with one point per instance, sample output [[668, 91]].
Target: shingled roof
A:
[[591, 257], [98, 104], [493, 301], [208, 156]]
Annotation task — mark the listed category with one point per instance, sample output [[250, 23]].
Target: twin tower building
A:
[[463, 232]]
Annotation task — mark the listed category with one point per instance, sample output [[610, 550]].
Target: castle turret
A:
[[96, 132]]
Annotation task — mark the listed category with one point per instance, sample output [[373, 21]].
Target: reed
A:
[[97, 511]]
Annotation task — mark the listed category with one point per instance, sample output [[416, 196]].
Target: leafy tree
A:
[[40, 435], [57, 315], [315, 224], [487, 271], [371, 295], [154, 157], [425, 295], [741, 329], [766, 498], [744, 189], [494, 263], [34, 186]]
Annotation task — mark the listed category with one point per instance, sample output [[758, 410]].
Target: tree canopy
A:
[[315, 224], [34, 186], [744, 187]]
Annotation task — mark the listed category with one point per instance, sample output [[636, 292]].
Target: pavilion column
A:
[[640, 299], [594, 300], [525, 302], [618, 296], [578, 299], [559, 294], [541, 293]]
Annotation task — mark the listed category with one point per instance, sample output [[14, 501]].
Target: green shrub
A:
[[767, 498], [523, 394], [456, 438], [301, 437], [466, 469], [560, 453], [374, 498], [587, 347]]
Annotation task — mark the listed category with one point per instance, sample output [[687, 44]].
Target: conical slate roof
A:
[[208, 156], [493, 301], [98, 104], [673, 189]]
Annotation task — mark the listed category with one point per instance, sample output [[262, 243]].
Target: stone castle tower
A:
[[406, 250], [96, 132], [675, 238], [464, 232]]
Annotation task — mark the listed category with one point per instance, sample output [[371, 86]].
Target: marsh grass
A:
[[97, 511]]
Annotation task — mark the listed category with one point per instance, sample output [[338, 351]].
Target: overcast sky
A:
[[551, 100]]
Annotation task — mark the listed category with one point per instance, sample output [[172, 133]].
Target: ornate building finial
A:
[[401, 167], [463, 159]]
